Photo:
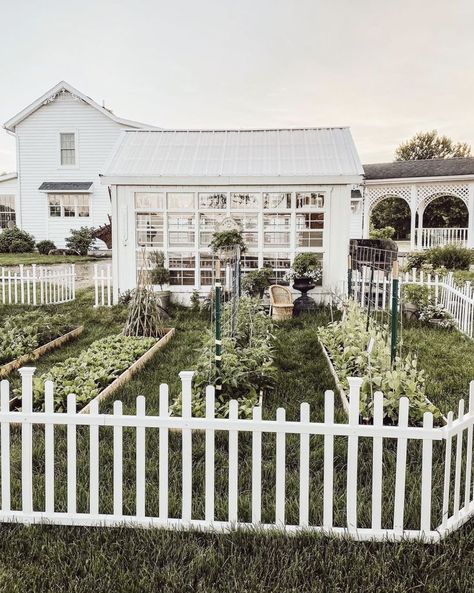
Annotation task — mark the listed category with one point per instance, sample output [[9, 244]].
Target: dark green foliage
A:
[[15, 240], [430, 145], [387, 232], [416, 294], [45, 247], [195, 302], [417, 259], [227, 240], [452, 257], [159, 273], [81, 240], [392, 212], [255, 282], [446, 211]]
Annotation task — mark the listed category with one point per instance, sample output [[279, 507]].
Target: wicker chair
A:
[[281, 301]]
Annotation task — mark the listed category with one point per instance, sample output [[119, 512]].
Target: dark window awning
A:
[[65, 186]]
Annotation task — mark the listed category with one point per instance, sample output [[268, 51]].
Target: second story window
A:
[[68, 149]]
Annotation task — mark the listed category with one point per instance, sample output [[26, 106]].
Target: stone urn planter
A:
[[410, 310], [304, 303], [165, 298]]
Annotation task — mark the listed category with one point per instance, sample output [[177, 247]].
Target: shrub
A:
[[15, 240], [416, 259], [159, 274], [255, 283], [416, 294], [386, 232], [45, 247], [81, 240], [346, 342], [452, 257]]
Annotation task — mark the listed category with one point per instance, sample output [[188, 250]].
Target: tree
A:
[[430, 145]]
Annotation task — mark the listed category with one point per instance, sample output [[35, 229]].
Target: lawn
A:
[[48, 558], [15, 259]]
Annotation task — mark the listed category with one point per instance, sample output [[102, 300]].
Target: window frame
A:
[[76, 149], [61, 205]]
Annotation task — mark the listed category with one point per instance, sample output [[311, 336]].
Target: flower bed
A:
[[345, 343], [97, 372], [27, 336]]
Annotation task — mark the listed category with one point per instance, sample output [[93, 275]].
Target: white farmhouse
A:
[[63, 140], [289, 189]]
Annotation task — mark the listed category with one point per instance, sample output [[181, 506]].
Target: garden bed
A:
[[132, 370], [100, 370], [9, 367]]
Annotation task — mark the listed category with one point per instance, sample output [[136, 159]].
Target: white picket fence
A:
[[432, 524], [37, 285], [376, 288], [103, 288]]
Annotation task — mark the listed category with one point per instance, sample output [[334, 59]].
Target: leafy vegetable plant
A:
[[346, 343], [93, 370]]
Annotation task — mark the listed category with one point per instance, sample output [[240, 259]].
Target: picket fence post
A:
[[355, 384]]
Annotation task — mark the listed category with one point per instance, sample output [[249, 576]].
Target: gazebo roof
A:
[[422, 168]]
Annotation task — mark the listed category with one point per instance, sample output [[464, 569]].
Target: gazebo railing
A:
[[438, 237]]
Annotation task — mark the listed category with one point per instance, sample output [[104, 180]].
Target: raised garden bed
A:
[[97, 372], [131, 371], [9, 367]]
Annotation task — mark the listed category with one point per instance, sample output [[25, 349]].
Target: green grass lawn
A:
[[60, 559], [15, 259]]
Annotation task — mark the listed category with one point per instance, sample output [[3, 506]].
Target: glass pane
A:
[[181, 201], [149, 229], [149, 200], [276, 200], [244, 200], [213, 201], [309, 200]]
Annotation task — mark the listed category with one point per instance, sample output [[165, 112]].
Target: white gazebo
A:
[[419, 183]]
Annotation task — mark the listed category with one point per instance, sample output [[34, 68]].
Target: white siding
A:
[[38, 156], [356, 219]]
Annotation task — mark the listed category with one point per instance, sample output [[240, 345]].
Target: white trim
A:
[[75, 132], [231, 181], [65, 86], [410, 180], [8, 177]]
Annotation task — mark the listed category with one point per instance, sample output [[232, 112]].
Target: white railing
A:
[[434, 237], [36, 285], [186, 442], [103, 292]]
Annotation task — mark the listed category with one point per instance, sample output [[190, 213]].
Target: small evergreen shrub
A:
[[452, 257], [159, 274], [45, 247], [81, 240], [15, 240], [255, 283], [387, 232]]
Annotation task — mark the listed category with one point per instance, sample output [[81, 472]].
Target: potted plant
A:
[[437, 315], [415, 297], [255, 283], [160, 275], [225, 243], [304, 273]]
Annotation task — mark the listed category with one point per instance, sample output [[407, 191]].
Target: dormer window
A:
[[68, 149]]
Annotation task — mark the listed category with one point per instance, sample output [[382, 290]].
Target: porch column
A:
[[413, 199], [419, 241], [470, 219], [366, 214]]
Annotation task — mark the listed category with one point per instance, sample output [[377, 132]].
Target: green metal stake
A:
[[370, 298], [394, 325], [349, 277], [218, 342]]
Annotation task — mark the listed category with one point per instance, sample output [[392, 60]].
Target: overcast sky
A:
[[386, 68]]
